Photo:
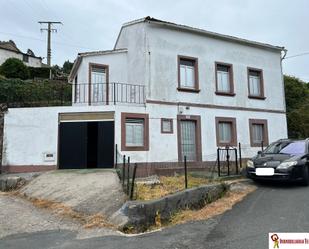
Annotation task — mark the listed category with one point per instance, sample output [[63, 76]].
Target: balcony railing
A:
[[109, 93]]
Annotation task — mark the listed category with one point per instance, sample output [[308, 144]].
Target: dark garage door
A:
[[86, 145]]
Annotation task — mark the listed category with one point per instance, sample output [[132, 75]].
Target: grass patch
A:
[[213, 209], [87, 221], [168, 185]]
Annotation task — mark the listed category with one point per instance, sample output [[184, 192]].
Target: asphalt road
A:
[[271, 208]]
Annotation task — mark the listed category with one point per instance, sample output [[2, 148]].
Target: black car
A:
[[285, 159]]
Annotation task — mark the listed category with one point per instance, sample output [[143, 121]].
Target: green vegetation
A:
[[297, 106], [19, 93], [14, 68]]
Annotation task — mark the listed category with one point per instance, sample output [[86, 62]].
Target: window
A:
[[135, 133], [187, 74], [98, 83], [224, 79], [226, 131], [258, 132], [255, 82], [25, 58], [166, 125]]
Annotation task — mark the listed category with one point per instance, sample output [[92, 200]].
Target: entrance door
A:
[[188, 139], [73, 145], [98, 84], [86, 145]]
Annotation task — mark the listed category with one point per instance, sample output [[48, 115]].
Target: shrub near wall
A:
[[38, 72], [19, 93]]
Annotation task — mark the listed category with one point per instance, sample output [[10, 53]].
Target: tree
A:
[[297, 106], [14, 68], [67, 66]]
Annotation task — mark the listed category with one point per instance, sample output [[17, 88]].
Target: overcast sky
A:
[[94, 24]]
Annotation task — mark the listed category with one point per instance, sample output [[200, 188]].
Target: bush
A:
[[16, 92], [14, 68], [38, 72]]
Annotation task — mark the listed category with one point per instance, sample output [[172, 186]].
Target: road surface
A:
[[271, 208]]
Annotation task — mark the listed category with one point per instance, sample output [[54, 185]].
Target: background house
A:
[[8, 49], [164, 92]]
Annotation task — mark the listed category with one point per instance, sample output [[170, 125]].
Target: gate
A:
[[227, 161]]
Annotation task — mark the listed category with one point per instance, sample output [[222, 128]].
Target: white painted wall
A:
[[31, 132], [5, 54], [166, 44], [118, 67]]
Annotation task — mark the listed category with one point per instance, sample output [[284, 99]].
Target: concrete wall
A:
[[31, 132], [5, 54]]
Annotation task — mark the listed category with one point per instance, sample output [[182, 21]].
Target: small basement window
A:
[[166, 125]]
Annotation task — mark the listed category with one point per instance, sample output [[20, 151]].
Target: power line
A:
[[41, 40], [297, 55]]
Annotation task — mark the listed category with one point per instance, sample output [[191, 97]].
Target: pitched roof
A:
[[9, 45], [203, 32]]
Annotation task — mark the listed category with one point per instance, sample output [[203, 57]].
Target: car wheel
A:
[[305, 180]]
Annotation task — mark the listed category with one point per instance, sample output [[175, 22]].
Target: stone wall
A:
[[142, 214]]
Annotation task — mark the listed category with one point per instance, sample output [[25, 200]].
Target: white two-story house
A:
[[163, 92]]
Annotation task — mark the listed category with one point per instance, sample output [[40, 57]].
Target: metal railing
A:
[[109, 93]]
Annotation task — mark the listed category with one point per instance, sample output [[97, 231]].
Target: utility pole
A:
[[49, 30]]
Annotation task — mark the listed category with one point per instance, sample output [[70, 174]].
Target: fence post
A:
[[133, 181], [114, 93], [262, 145], [228, 161], [240, 159], [128, 179], [186, 173], [123, 169], [236, 160], [218, 160]]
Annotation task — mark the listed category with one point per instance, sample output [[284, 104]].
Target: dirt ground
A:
[[18, 215]]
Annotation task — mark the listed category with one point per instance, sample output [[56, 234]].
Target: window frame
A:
[[195, 89], [234, 131], [198, 135], [103, 66], [171, 123], [262, 95], [265, 131], [124, 117], [231, 79]]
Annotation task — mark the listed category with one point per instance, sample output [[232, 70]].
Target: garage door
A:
[[86, 144]]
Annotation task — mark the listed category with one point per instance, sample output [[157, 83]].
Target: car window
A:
[[293, 148]]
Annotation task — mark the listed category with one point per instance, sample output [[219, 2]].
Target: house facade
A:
[[8, 49], [164, 92]]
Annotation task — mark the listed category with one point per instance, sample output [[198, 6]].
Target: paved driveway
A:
[[270, 208]]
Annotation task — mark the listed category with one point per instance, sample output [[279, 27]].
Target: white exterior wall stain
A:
[[5, 54]]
